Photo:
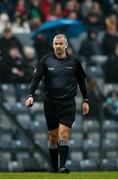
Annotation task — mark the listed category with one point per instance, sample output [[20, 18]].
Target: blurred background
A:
[[26, 31]]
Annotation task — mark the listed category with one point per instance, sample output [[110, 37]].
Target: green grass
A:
[[73, 175]]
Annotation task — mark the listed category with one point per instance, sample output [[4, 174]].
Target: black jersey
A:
[[60, 77]]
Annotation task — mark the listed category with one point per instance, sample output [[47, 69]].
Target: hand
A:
[[85, 107], [17, 72], [20, 73], [29, 101]]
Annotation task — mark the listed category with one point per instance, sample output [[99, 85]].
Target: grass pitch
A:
[[72, 175]]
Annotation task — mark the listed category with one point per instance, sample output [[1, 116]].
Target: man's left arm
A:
[[85, 104], [80, 74]]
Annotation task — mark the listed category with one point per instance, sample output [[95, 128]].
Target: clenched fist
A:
[[29, 101], [85, 107]]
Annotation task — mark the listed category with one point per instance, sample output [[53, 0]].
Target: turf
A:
[[74, 175]]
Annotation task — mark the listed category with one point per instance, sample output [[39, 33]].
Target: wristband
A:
[[30, 96], [85, 100]]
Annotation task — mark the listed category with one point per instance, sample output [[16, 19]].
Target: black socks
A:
[[53, 150], [63, 150]]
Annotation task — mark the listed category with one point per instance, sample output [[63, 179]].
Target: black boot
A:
[[63, 150], [64, 170]]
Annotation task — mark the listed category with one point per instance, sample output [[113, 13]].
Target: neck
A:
[[60, 56]]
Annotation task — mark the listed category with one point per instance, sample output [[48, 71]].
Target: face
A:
[[13, 52], [59, 45], [8, 35], [30, 56], [114, 96]]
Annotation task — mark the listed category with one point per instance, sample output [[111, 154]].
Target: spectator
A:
[[96, 8], [115, 9], [95, 97], [8, 7], [12, 66], [71, 5], [111, 67], [73, 15], [110, 38], [55, 12], [35, 23], [20, 25], [43, 44], [108, 6], [93, 21], [35, 11], [31, 62], [111, 105], [21, 8], [30, 55], [90, 46], [45, 6], [7, 41], [4, 22], [13, 71], [86, 8]]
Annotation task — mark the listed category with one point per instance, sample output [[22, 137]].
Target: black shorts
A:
[[59, 111]]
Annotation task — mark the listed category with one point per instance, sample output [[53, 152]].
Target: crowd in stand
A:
[[25, 16]]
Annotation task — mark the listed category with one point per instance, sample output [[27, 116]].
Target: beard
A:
[[59, 51]]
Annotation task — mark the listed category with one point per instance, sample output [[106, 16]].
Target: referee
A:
[[62, 73]]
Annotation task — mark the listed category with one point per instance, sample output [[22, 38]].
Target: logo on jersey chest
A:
[[69, 67], [51, 68]]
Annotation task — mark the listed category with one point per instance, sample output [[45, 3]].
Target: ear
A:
[[66, 45], [52, 44]]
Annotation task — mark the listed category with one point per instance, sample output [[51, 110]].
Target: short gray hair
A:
[[58, 36]]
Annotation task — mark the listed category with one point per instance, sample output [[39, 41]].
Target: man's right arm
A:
[[39, 72]]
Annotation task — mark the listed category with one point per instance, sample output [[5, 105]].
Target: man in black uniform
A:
[[62, 73]]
